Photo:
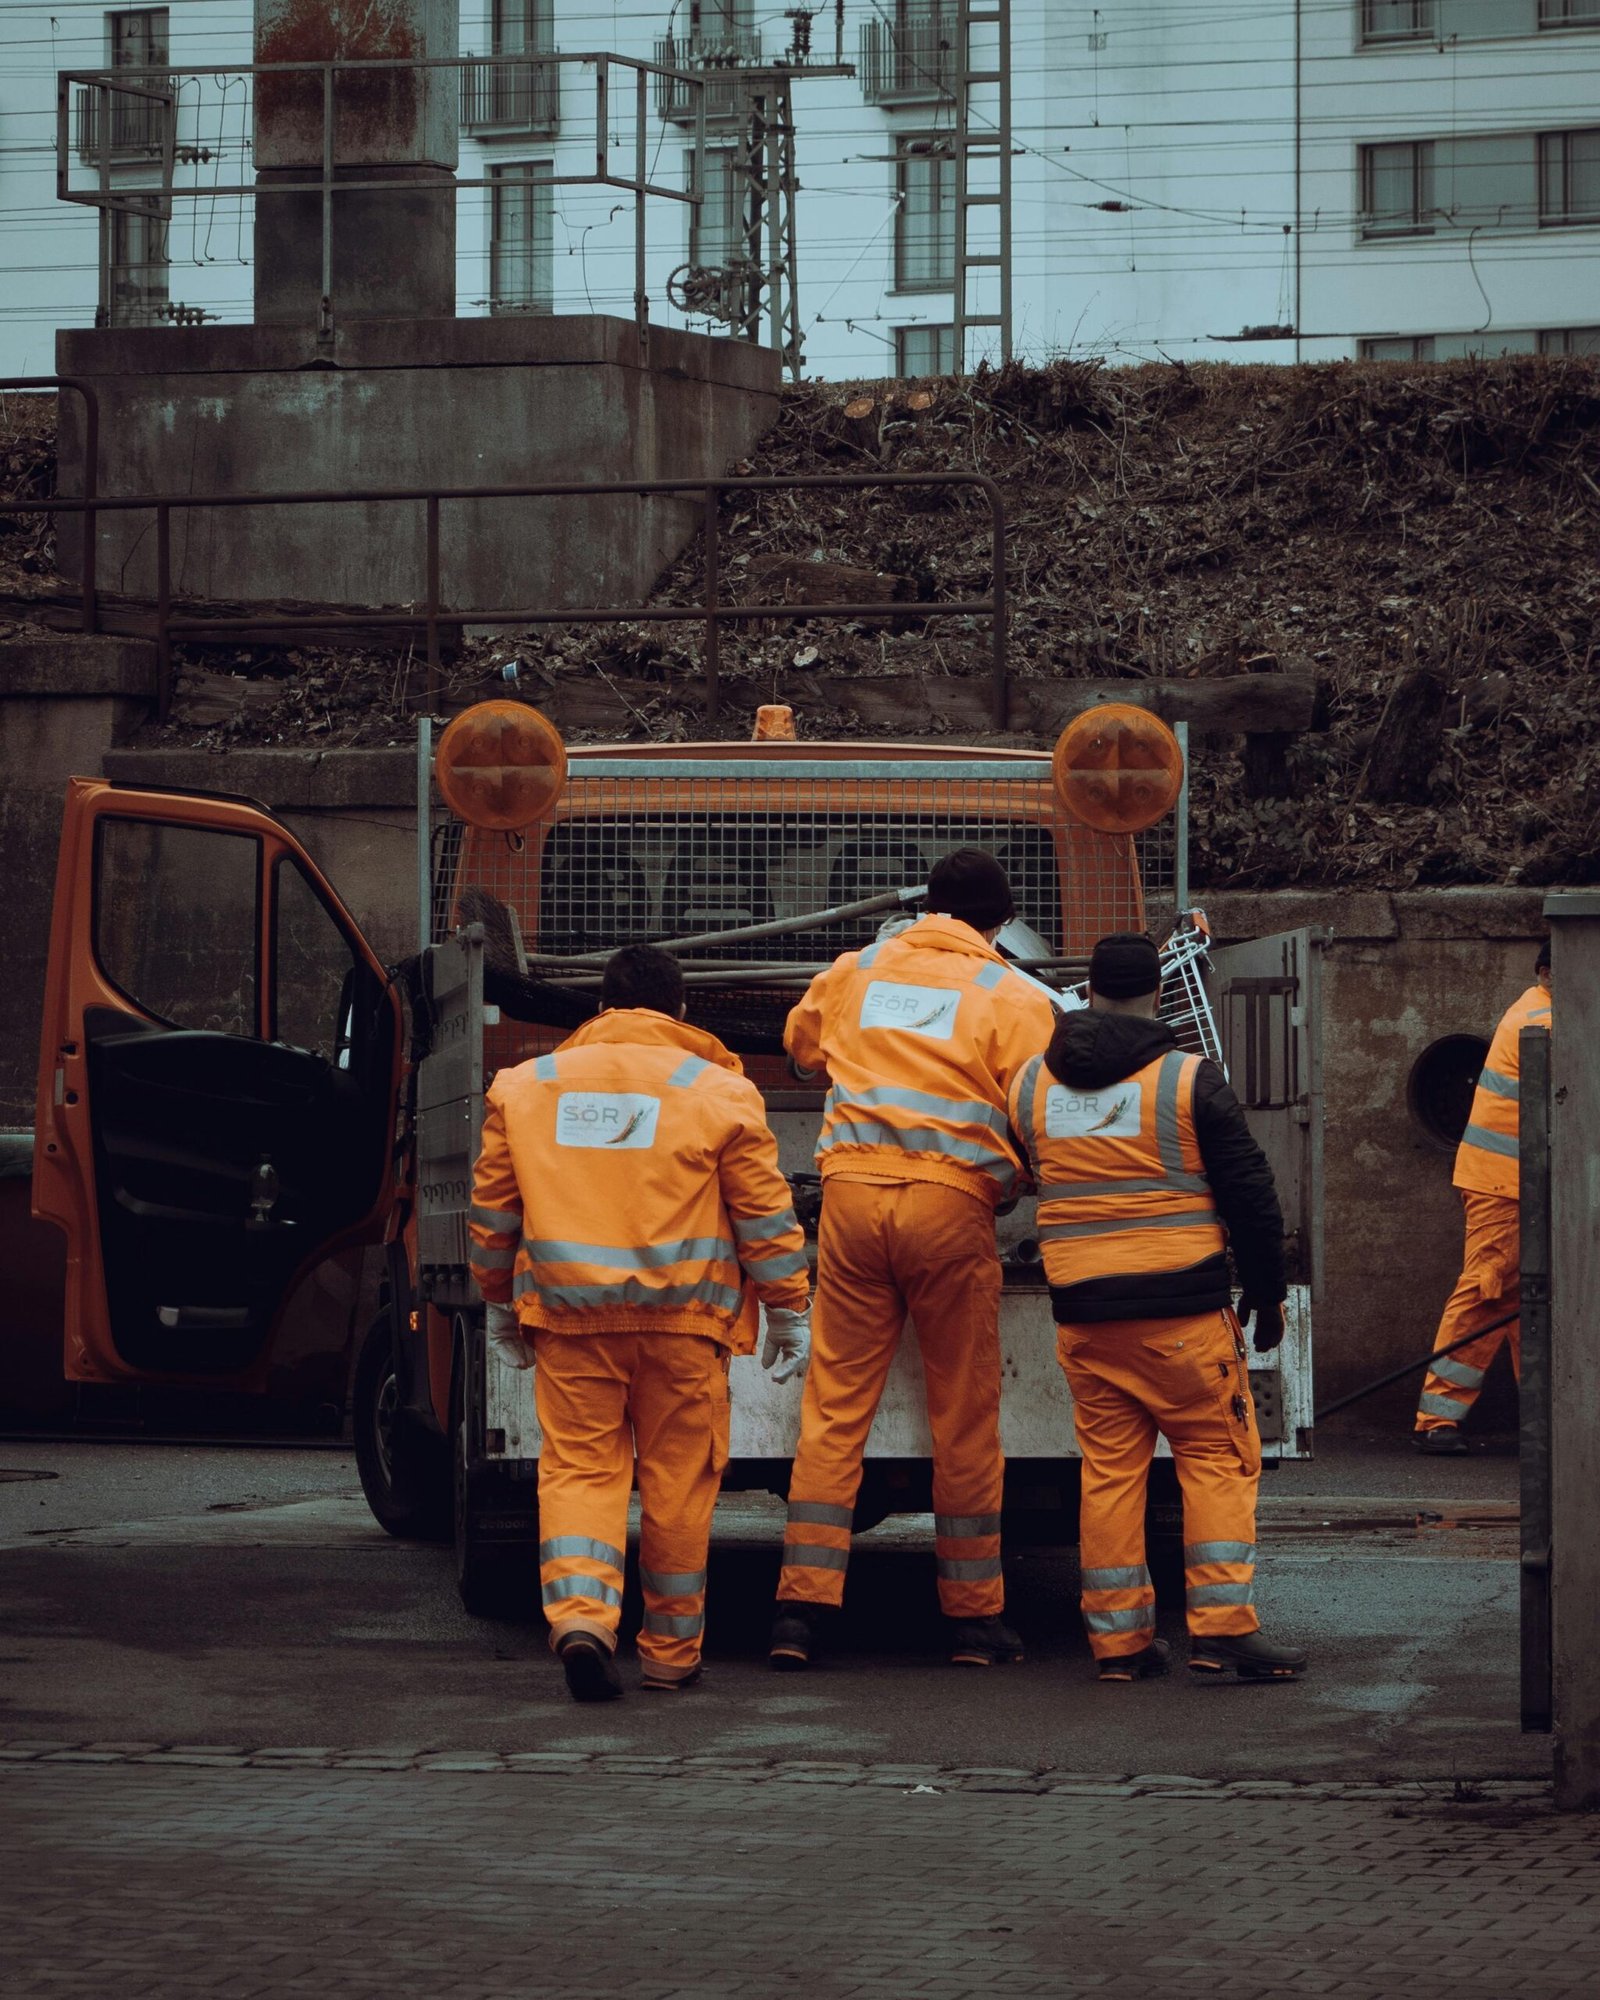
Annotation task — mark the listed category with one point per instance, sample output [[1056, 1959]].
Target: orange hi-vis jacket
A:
[[1121, 1185], [921, 1035], [629, 1183], [1486, 1160]]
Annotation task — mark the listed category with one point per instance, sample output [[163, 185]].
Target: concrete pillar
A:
[[392, 255], [1574, 918]]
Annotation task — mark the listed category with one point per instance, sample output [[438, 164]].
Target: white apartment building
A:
[[1392, 178]]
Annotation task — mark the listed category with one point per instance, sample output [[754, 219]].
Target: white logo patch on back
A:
[[1113, 1113], [623, 1119], [915, 1010]]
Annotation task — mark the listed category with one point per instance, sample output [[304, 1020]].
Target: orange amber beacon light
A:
[[1117, 768], [501, 765]]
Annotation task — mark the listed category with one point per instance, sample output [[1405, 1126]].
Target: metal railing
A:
[[432, 613], [714, 61], [87, 504], [511, 94], [128, 127], [911, 60]]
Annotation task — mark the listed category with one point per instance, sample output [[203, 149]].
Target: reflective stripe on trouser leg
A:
[[1119, 1609], [585, 1471], [679, 1406], [1486, 1291], [1117, 1437]]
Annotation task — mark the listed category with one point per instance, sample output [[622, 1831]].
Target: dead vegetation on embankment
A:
[[1425, 541]]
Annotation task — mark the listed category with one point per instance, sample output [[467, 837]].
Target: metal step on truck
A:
[[233, 1088]]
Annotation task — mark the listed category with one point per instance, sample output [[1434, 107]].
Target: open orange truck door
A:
[[217, 1083]]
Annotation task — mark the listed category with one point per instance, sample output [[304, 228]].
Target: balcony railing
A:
[[518, 95], [720, 59], [134, 125], [910, 61]]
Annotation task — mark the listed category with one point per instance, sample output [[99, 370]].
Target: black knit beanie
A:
[[1125, 966], [971, 885]]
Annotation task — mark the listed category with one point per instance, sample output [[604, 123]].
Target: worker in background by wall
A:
[[1487, 1174], [644, 1132], [1147, 1176], [921, 1035]]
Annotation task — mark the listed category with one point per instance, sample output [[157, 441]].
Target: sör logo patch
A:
[[624, 1120], [1114, 1113], [914, 1010]]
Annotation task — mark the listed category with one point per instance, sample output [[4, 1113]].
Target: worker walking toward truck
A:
[[921, 1035], [626, 1201], [1488, 1174], [1147, 1177]]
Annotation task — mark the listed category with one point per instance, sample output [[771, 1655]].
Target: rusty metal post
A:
[[163, 610], [713, 628], [997, 592], [602, 118], [433, 601]]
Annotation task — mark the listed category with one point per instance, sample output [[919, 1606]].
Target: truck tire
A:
[[404, 1469], [495, 1578]]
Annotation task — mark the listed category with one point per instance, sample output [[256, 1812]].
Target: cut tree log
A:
[[1407, 741]]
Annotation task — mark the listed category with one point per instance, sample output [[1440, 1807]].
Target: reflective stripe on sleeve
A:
[[1134, 1577], [560, 1587], [1498, 1084], [686, 1072], [673, 1583], [579, 1545], [1030, 1086], [492, 1260], [1491, 1142], [499, 1221], [1195, 1553], [544, 1068], [758, 1228], [870, 955], [820, 1514], [988, 977], [770, 1270], [1199, 1595], [962, 1527]]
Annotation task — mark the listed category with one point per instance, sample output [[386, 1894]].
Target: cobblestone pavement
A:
[[146, 1874]]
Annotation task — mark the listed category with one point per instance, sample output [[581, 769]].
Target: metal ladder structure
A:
[[982, 139]]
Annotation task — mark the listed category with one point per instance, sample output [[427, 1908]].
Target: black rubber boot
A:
[[983, 1642], [654, 1683], [795, 1644], [590, 1669], [1251, 1656], [1147, 1665], [1445, 1442]]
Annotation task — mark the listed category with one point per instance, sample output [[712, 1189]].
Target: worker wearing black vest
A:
[[1147, 1177]]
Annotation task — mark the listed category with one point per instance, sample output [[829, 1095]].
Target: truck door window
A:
[[176, 924], [313, 964]]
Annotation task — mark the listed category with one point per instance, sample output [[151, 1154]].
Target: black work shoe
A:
[[983, 1642], [1146, 1665], [794, 1639], [654, 1683], [590, 1669], [1252, 1657], [1444, 1442]]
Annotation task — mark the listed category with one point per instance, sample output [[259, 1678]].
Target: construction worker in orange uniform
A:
[[921, 1035], [626, 1200], [1147, 1177], [1488, 1176]]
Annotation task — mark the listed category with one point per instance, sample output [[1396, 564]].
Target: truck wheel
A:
[[405, 1470], [495, 1579]]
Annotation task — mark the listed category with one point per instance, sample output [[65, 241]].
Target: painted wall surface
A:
[[1155, 183]]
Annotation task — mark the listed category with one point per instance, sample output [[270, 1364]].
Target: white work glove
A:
[[788, 1343], [506, 1338]]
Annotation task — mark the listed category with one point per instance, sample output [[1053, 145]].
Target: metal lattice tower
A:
[[983, 143]]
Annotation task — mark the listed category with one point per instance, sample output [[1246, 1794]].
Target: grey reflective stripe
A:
[[1448, 1369], [967, 1569], [645, 1257], [1450, 1408], [544, 1068], [1198, 1595], [960, 1527], [988, 977], [1167, 1137], [806, 1555], [959, 1110], [666, 1626], [1134, 1577], [673, 1582], [1188, 1218], [579, 1545], [969, 1151], [768, 1270], [1138, 1618], [1195, 1553], [687, 1071], [757, 1228], [820, 1514], [502, 1221], [1538, 1014], [1491, 1142], [492, 1260], [1083, 1190], [579, 1586], [1498, 1084], [631, 1292], [869, 956], [1030, 1085]]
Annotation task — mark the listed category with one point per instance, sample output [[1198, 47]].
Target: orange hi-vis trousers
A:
[[883, 1251], [604, 1398], [1489, 1287], [1186, 1380]]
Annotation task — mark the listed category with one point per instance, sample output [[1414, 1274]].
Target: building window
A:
[[137, 47], [908, 52], [522, 239], [1397, 189], [925, 219], [1397, 20], [507, 94], [1408, 347], [139, 280], [1570, 340], [924, 350], [716, 226], [1569, 13], [1569, 177], [138, 39]]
